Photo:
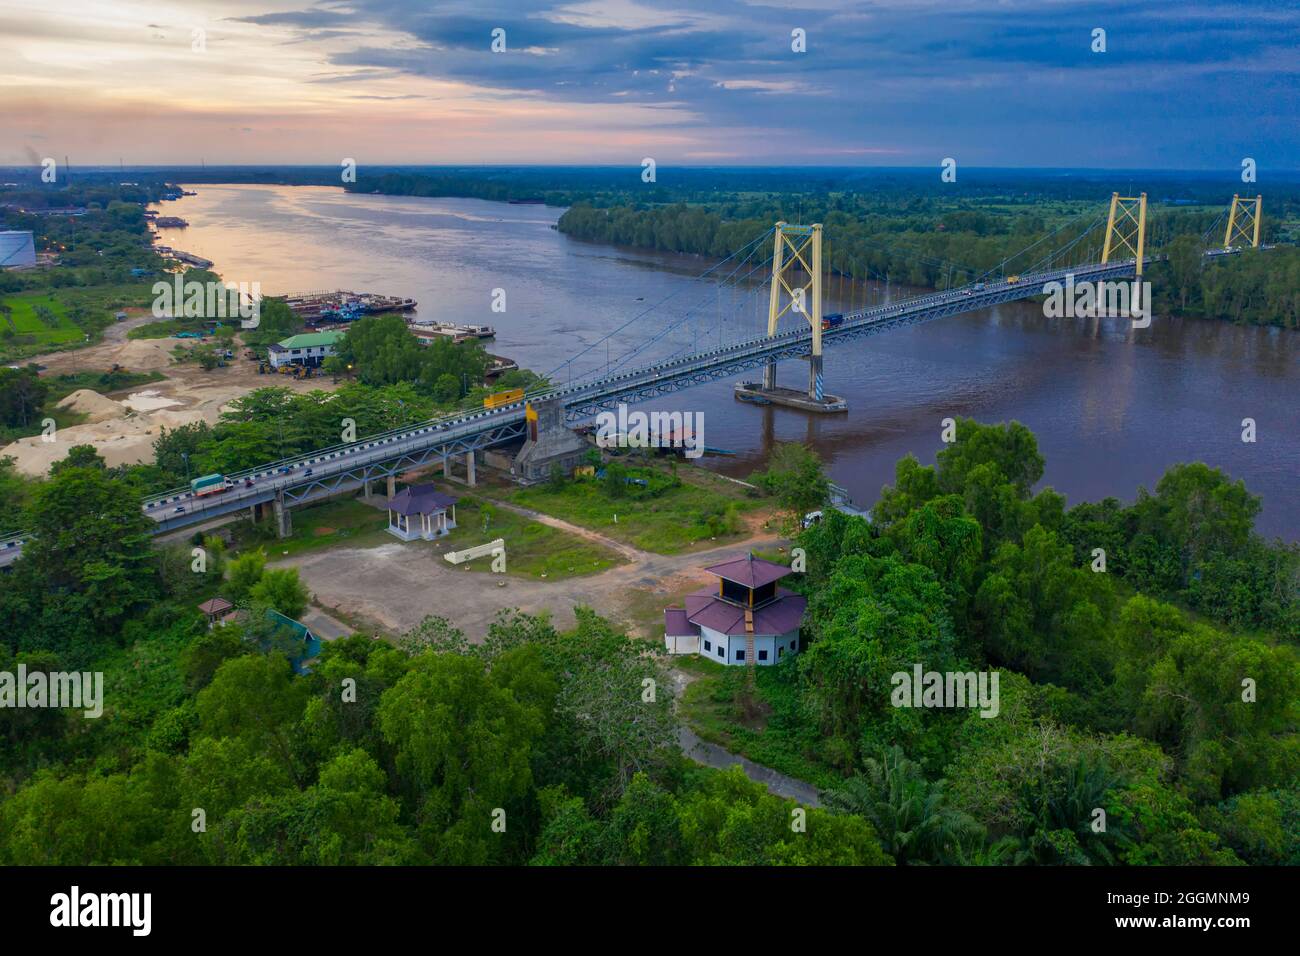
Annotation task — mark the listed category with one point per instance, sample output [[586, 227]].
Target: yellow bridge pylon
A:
[[1126, 228], [796, 248], [1243, 221]]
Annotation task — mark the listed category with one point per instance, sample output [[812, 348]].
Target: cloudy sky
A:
[[1182, 84]]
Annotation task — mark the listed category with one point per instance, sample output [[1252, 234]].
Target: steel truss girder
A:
[[403, 461]]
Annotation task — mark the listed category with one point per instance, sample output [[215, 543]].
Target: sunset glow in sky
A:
[[1182, 85]]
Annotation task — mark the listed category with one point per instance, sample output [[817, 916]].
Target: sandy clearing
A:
[[397, 585], [188, 394]]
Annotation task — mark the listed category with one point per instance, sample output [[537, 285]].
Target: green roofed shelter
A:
[[308, 348], [311, 643]]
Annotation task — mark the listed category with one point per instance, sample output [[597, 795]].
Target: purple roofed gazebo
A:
[[421, 511]]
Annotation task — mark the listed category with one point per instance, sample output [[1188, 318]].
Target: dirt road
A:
[[397, 585]]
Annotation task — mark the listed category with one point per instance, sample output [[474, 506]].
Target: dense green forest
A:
[[1134, 645], [1163, 690]]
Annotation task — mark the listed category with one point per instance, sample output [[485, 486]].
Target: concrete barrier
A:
[[469, 554]]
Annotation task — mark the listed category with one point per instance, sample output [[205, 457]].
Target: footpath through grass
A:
[[533, 549], [769, 729], [677, 510]]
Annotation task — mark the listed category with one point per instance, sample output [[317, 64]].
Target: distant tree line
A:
[[925, 243]]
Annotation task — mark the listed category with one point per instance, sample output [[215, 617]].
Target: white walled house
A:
[[747, 613], [309, 348]]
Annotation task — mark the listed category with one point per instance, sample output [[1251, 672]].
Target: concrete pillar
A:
[[252, 513], [446, 467], [392, 485], [367, 493], [769, 375], [815, 377], [469, 468], [283, 523]]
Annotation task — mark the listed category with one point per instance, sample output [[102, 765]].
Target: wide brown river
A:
[[1112, 407]]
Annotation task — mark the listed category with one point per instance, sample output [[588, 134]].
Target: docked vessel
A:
[[453, 330], [344, 306]]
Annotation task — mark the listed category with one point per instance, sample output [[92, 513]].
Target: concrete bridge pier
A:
[[283, 524], [392, 485], [550, 443], [469, 469], [815, 378], [769, 376]]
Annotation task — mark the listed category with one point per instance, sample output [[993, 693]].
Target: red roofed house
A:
[[747, 615]]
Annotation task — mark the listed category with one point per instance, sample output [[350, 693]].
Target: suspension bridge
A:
[[784, 269]]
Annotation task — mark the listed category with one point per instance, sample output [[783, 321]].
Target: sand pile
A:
[[94, 406], [120, 436], [121, 441], [144, 355]]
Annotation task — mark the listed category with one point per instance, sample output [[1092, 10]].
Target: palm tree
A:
[[910, 814], [1063, 810]]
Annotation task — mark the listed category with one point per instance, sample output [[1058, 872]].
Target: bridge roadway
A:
[[327, 471]]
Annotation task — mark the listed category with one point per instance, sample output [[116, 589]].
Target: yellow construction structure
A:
[[1243, 221], [797, 248], [1126, 228]]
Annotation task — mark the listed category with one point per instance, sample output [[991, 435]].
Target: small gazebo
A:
[[421, 511], [217, 610]]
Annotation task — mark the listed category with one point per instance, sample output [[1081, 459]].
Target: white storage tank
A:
[[16, 249]]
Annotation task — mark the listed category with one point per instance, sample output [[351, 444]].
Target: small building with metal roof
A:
[[309, 348]]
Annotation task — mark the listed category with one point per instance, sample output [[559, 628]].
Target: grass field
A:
[[24, 323], [702, 511], [344, 521], [532, 549], [106, 383], [81, 314], [164, 328]]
